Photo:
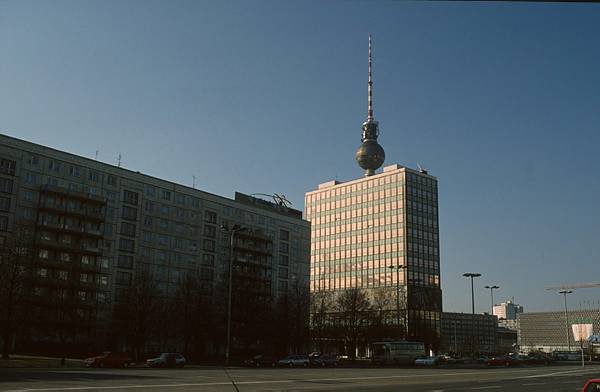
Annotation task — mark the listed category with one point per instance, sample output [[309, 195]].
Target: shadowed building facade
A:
[[380, 234]]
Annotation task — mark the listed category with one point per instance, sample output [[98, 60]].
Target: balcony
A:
[[73, 194]]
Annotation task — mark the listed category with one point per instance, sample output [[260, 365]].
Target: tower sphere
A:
[[370, 156]]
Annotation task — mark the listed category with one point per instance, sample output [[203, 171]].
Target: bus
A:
[[396, 353]]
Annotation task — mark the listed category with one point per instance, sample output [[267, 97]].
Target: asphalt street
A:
[[552, 378]]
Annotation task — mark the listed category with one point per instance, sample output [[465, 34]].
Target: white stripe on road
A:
[[559, 373], [487, 387], [534, 383]]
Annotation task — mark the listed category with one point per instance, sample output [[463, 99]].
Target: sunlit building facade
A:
[[363, 230]]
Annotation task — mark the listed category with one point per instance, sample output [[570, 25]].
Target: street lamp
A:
[[472, 275], [398, 268], [492, 288], [231, 232], [564, 293]]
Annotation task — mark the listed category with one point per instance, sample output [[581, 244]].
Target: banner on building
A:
[[582, 331]]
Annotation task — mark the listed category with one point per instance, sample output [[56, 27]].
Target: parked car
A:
[[109, 359], [483, 359], [538, 359], [324, 361], [504, 360], [427, 361], [167, 360], [592, 385], [261, 361], [294, 360]]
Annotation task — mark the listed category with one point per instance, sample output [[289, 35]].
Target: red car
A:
[[504, 360], [592, 385], [109, 359]]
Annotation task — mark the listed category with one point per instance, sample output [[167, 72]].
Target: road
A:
[[552, 378]]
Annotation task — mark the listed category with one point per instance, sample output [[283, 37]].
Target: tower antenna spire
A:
[[370, 154], [370, 111]]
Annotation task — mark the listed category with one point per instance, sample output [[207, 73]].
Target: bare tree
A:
[[321, 306], [353, 307], [15, 257], [137, 312], [192, 312]]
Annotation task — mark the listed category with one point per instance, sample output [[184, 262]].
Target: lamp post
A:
[[231, 232], [472, 275], [398, 268], [492, 288], [564, 293]]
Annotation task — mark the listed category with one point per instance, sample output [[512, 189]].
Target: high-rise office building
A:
[[507, 313], [95, 226], [380, 233]]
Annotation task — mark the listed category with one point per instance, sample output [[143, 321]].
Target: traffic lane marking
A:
[[488, 387]]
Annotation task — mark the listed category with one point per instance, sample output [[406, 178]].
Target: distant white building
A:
[[507, 314]]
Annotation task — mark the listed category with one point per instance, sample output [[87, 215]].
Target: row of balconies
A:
[[88, 197]]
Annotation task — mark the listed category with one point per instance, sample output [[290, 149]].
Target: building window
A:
[[7, 167], [210, 217], [42, 272], [30, 178], [6, 185], [129, 213], [54, 166], [63, 275], [284, 260], [148, 221], [284, 235], [166, 195], [94, 176], [123, 278], [180, 213], [33, 160], [208, 259], [43, 254], [111, 180], [147, 236], [74, 171], [130, 197], [163, 240], [208, 245], [128, 229], [163, 224], [179, 198], [3, 223], [150, 191], [284, 247], [111, 196], [4, 204], [164, 209], [126, 245], [148, 206], [125, 261], [195, 202], [83, 278], [210, 231]]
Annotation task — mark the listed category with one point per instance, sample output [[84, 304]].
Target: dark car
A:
[[504, 360], [539, 359], [261, 361], [109, 359], [324, 361]]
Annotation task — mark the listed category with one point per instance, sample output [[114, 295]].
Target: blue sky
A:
[[499, 101]]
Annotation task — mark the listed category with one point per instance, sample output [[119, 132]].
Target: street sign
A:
[[582, 332]]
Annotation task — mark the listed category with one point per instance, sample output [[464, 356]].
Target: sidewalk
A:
[[30, 361]]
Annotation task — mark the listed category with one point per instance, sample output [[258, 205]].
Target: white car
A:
[[427, 361], [167, 360], [294, 360]]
